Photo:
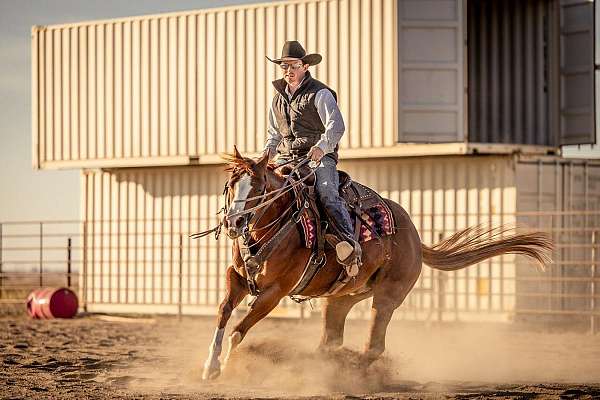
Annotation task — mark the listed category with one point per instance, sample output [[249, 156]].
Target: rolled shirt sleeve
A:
[[332, 120], [273, 135]]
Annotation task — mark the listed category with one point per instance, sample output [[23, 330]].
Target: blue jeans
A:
[[326, 186]]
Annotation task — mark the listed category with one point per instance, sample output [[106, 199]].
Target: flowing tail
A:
[[475, 244]]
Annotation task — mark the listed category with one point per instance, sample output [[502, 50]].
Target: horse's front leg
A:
[[236, 291], [265, 302]]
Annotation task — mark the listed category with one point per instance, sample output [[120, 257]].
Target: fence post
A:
[[83, 272], [593, 286], [441, 282], [69, 262], [1, 260], [41, 254], [179, 310]]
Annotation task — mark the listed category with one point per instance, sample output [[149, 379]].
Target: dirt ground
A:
[[161, 357]]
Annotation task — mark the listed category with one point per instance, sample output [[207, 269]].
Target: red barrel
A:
[[49, 303]]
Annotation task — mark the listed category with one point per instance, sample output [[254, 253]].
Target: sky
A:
[[26, 194]]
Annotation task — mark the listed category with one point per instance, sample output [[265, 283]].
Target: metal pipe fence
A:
[[140, 266], [36, 254]]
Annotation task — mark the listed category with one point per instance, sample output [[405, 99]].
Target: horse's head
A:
[[247, 180]]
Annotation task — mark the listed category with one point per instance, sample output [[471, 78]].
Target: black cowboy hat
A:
[[293, 49]]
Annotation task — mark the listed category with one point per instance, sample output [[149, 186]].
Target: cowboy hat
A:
[[293, 49]]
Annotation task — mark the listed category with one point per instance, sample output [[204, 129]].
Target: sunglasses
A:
[[293, 67]]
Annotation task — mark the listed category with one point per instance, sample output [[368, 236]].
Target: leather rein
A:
[[254, 258], [263, 204]]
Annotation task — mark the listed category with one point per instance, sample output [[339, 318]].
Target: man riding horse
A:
[[305, 121], [270, 259]]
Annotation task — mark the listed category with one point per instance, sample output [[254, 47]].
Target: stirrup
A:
[[349, 256], [353, 269]]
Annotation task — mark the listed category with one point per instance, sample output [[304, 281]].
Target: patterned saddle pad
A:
[[379, 217]]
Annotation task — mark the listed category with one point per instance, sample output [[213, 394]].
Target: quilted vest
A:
[[297, 118]]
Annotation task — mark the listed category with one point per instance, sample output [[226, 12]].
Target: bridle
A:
[[264, 203], [254, 214], [246, 217]]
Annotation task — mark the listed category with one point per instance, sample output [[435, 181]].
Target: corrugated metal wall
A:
[[149, 89], [508, 72], [431, 69], [562, 196], [443, 195], [134, 218]]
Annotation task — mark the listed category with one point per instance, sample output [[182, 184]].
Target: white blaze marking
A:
[[242, 189]]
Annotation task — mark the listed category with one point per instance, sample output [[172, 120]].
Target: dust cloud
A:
[[279, 358]]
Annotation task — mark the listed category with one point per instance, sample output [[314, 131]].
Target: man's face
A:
[[293, 70]]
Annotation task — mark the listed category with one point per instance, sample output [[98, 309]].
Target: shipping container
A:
[[531, 72], [414, 77], [178, 89]]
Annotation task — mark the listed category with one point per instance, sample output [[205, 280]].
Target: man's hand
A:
[[315, 154]]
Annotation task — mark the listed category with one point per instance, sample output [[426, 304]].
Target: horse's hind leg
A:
[[381, 314], [386, 298], [236, 291], [335, 311]]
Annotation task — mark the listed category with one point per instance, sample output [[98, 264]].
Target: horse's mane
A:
[[237, 166]]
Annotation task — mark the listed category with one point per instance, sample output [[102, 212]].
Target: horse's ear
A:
[[236, 153], [261, 163]]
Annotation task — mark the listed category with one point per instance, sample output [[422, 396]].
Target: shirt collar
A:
[[287, 87], [281, 85]]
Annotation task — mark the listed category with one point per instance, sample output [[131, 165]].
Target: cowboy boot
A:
[[349, 254]]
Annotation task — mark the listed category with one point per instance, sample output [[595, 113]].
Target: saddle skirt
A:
[[374, 219]]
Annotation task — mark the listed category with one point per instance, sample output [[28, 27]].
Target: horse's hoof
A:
[[329, 349], [211, 374], [369, 357], [234, 340], [211, 371]]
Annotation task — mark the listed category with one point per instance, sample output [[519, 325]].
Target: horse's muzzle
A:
[[233, 233], [235, 226]]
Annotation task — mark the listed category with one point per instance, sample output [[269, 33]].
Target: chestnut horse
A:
[[390, 266]]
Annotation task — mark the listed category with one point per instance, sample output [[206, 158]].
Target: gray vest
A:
[[298, 119]]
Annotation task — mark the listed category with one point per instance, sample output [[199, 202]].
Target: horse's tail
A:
[[475, 244]]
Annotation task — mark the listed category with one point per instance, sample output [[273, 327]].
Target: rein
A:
[[254, 259], [265, 203], [281, 192]]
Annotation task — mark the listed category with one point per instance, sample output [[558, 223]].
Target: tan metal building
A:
[[427, 87], [177, 89], [136, 216]]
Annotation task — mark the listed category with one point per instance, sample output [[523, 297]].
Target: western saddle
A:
[[358, 198]]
